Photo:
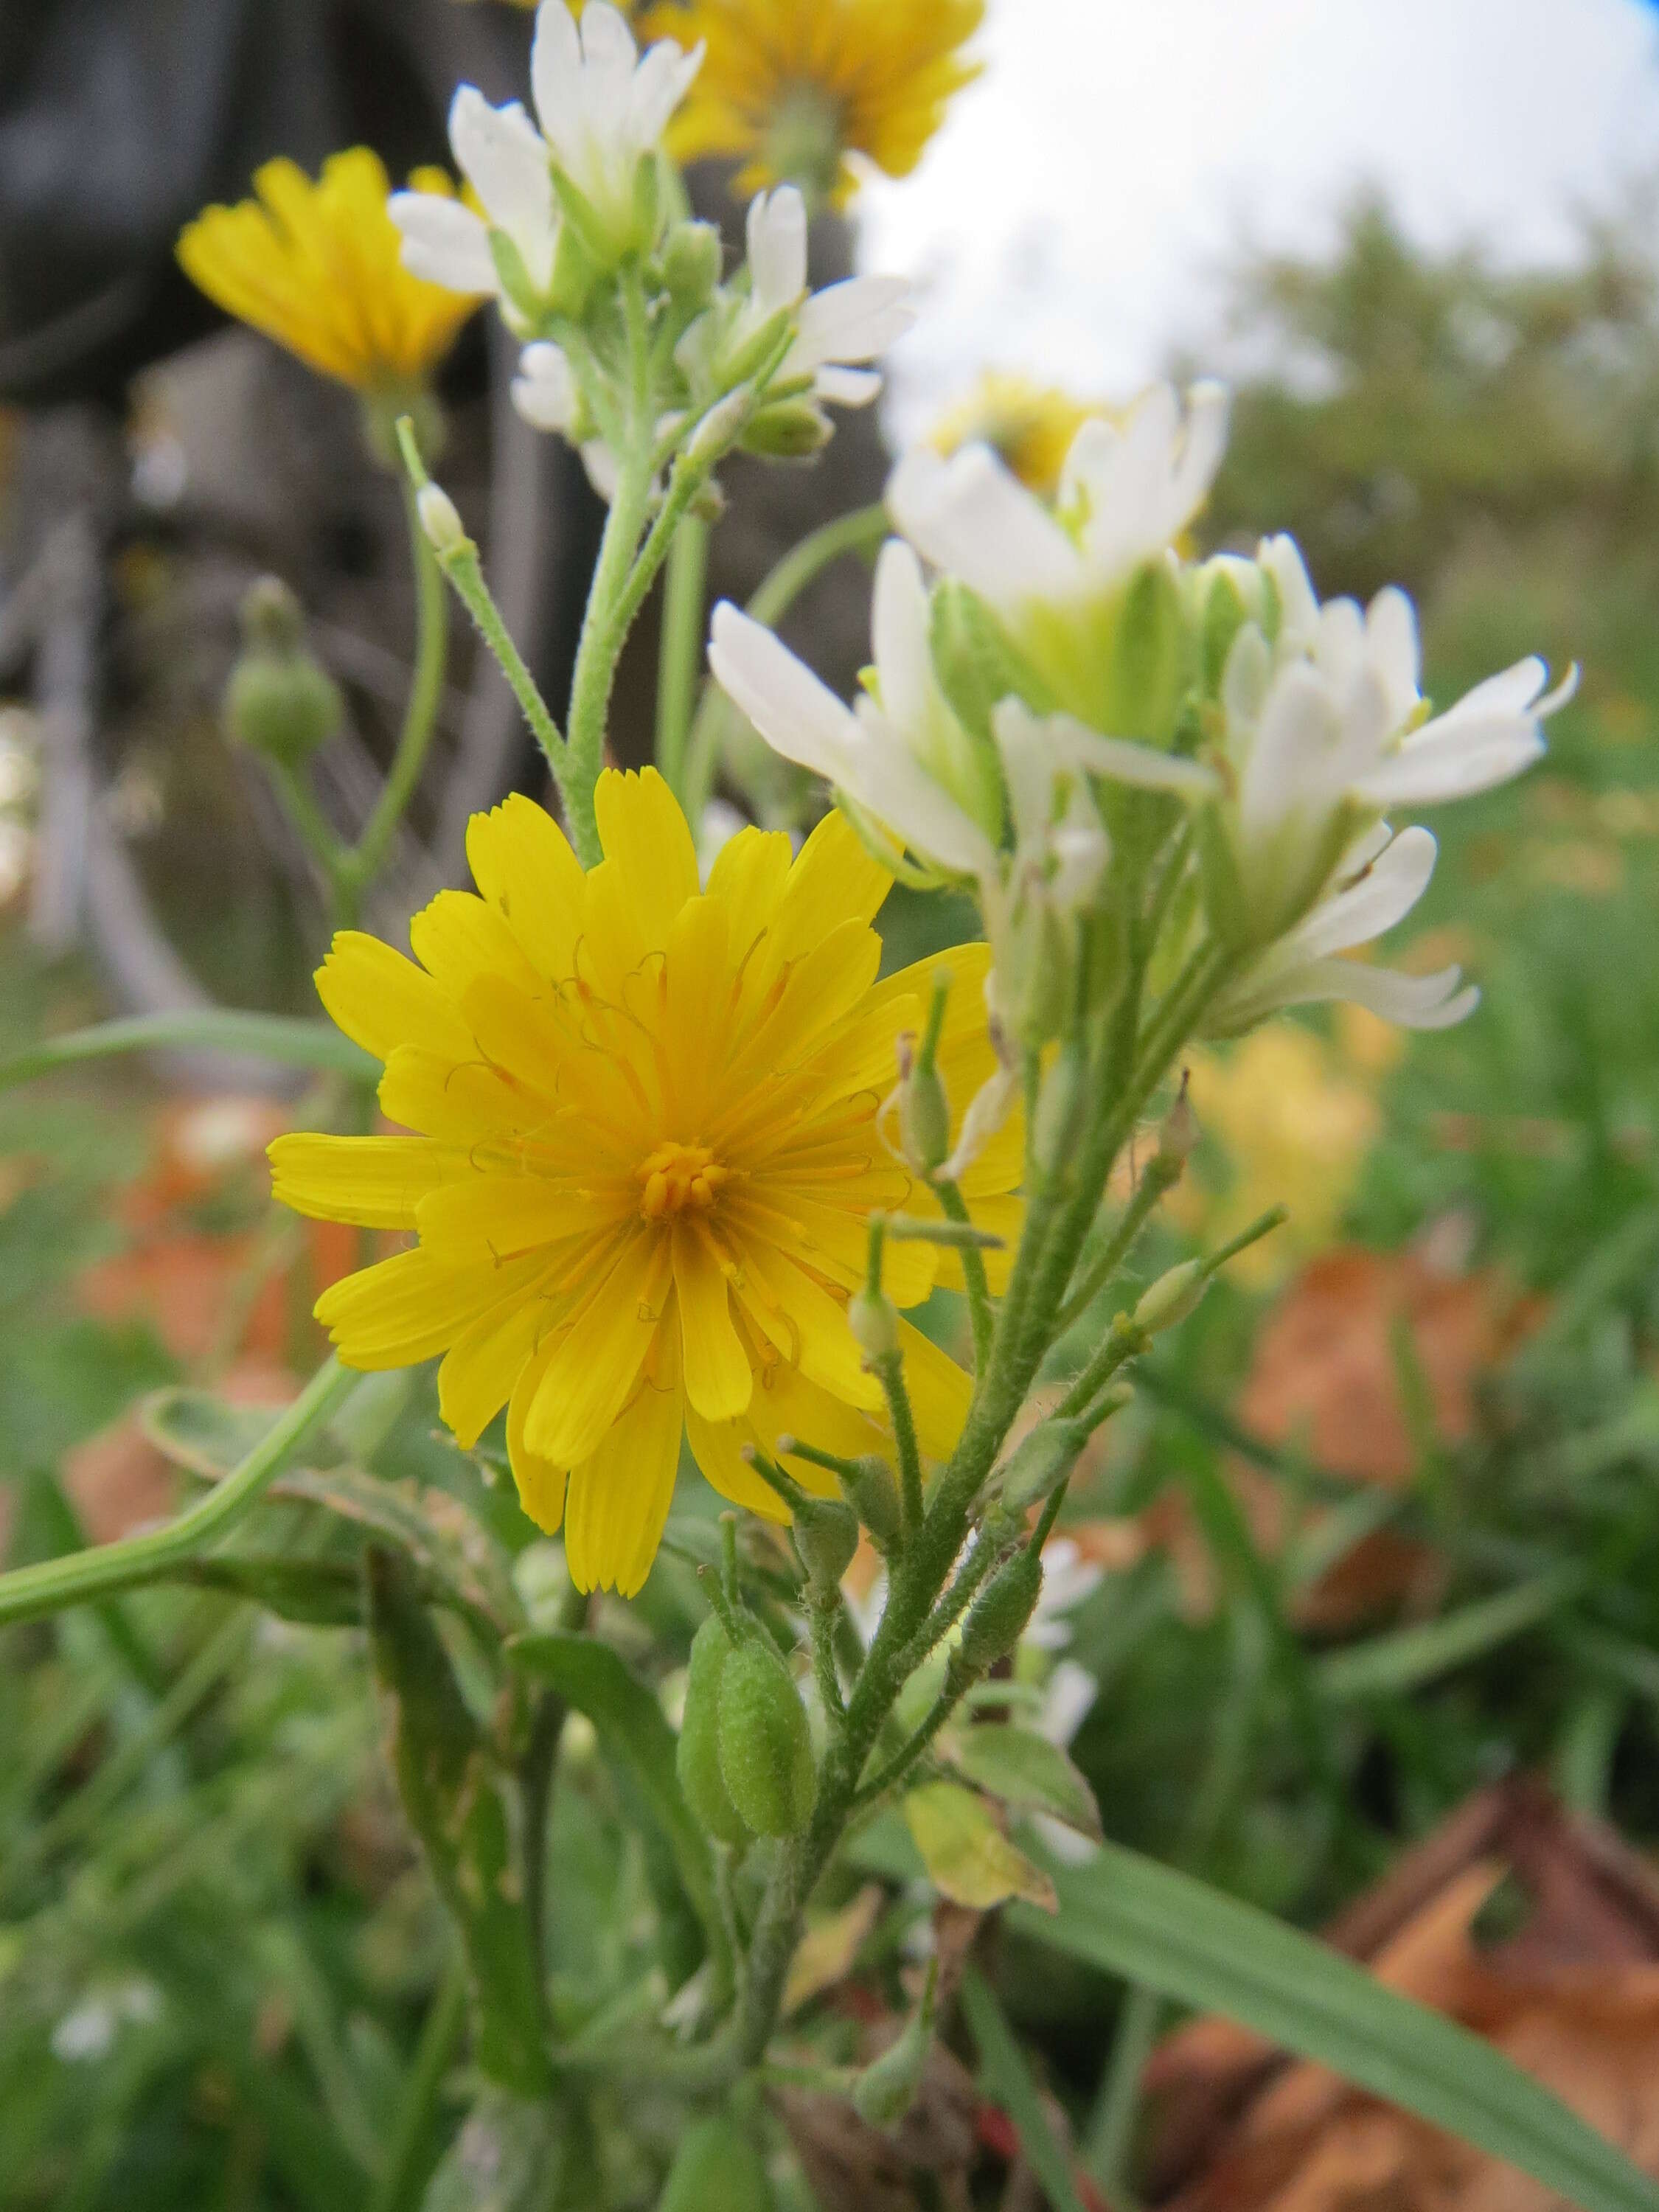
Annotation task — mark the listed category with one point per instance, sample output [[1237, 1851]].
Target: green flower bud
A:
[[1042, 1463], [875, 1495], [692, 264], [765, 1746], [440, 519], [788, 430], [716, 2168], [280, 700], [873, 1319], [999, 1615], [887, 2088], [696, 1760], [826, 1536], [924, 1110], [1172, 1297]]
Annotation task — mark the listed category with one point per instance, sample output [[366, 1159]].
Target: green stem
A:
[[821, 1622], [316, 833], [29, 1593], [860, 531], [420, 713], [890, 1374], [398, 2189], [682, 649], [903, 1760], [980, 1316], [1162, 1174]]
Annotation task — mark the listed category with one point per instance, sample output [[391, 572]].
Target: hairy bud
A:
[[1042, 1463], [869, 1483], [280, 700], [440, 519], [826, 1536], [696, 1760], [1172, 1297], [999, 1615], [765, 1745], [873, 1319]]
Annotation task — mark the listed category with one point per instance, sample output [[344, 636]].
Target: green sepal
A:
[[1145, 673]]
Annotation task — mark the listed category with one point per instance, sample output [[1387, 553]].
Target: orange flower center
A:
[[676, 1177]]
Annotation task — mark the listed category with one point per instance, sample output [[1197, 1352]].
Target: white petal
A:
[[660, 82], [1028, 770], [1287, 768], [1125, 762], [1391, 639], [544, 391], [556, 66], [1456, 765], [502, 153], [797, 715], [969, 517], [846, 387], [777, 249], [603, 472], [1209, 406], [881, 773], [1415, 1002], [901, 622], [608, 50], [1299, 604], [1384, 895], [853, 321], [443, 241]]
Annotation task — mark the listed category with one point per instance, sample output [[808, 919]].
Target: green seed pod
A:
[[887, 2088], [716, 2168], [1172, 1297], [999, 1615], [826, 1536], [765, 1748], [873, 1319], [1041, 1463], [696, 1760], [875, 1495], [280, 701]]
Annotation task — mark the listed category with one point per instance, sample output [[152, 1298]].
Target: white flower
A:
[[1125, 495], [845, 324], [501, 155], [604, 107], [1377, 884], [1324, 727], [544, 389]]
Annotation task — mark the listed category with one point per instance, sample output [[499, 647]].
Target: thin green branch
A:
[[682, 649], [980, 1318], [404, 2175]]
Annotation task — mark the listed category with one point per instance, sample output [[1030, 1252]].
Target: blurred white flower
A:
[[503, 157], [845, 324], [603, 105]]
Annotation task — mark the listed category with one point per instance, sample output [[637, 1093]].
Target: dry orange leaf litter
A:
[[1572, 1996]]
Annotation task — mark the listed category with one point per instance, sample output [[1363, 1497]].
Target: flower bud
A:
[[1177, 1140], [280, 701], [1042, 1463], [873, 1319], [826, 1535], [697, 1760], [716, 2168], [714, 434], [1000, 1615], [869, 1482], [887, 2088], [692, 264], [788, 430], [1146, 667], [765, 1745], [924, 1110], [1172, 1297], [440, 519]]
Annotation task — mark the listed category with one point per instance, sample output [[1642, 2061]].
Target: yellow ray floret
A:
[[1029, 426], [646, 1154], [316, 267], [792, 90]]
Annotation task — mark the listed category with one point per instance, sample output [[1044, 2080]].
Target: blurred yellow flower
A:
[[1029, 426], [1295, 1127], [795, 89], [316, 267], [646, 1161]]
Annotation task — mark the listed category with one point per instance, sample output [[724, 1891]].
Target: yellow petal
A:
[[382, 1000], [748, 877], [377, 1182], [647, 837], [596, 1362], [519, 1033], [458, 938], [412, 1307], [522, 862], [540, 1482], [717, 1376], [834, 880], [479, 1370], [620, 1496], [808, 1327], [465, 1104], [496, 1216]]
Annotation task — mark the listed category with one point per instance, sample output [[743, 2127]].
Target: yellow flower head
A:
[[646, 1156], [316, 267], [792, 89], [1029, 426]]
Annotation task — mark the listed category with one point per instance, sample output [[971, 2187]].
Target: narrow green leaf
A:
[[1027, 1772], [292, 1042], [632, 1727], [1006, 2080], [200, 1432], [1408, 1658], [1129, 1916]]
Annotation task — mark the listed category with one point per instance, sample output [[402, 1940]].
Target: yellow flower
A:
[[646, 1156], [1029, 426], [316, 267], [794, 89]]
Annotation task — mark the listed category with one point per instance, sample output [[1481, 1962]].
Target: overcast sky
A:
[[1071, 216]]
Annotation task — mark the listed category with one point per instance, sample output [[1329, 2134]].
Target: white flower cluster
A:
[[1070, 681], [564, 206]]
